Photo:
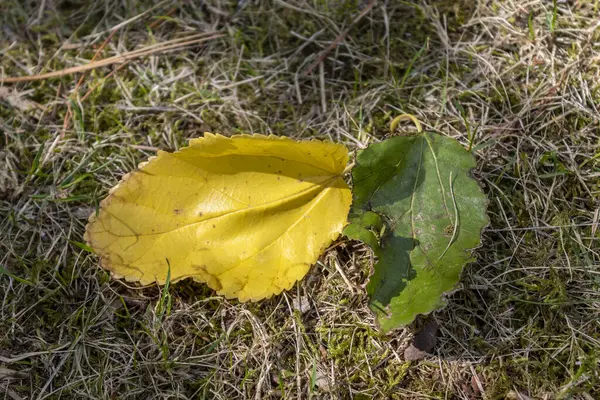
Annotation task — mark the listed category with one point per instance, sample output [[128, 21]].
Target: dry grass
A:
[[521, 79]]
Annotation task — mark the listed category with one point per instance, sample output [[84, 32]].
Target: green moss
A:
[[356, 349]]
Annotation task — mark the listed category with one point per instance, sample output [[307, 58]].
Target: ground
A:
[[518, 81]]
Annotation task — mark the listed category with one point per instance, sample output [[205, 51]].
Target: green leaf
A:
[[365, 227], [433, 213]]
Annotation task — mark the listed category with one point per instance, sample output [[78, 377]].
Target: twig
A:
[[69, 112], [96, 54], [120, 67], [149, 50]]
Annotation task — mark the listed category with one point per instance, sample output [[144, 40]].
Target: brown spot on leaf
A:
[[448, 230], [177, 211]]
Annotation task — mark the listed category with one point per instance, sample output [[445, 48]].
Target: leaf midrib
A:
[[281, 200], [299, 194]]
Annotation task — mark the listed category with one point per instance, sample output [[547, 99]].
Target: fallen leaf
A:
[[248, 215], [423, 342], [426, 339], [432, 214]]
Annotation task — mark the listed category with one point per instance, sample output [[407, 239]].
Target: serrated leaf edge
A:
[[194, 141]]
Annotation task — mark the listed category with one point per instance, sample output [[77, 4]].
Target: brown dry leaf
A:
[[423, 342]]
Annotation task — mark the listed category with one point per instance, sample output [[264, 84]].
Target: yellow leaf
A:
[[248, 215]]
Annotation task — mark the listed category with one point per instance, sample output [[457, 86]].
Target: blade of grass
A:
[[3, 271]]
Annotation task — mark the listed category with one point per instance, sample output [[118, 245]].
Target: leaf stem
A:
[[405, 117], [348, 168]]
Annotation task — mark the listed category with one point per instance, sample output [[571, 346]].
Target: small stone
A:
[[301, 304], [411, 353]]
